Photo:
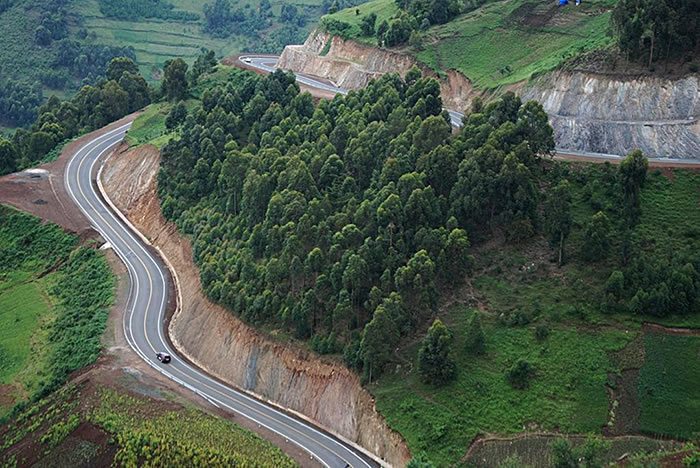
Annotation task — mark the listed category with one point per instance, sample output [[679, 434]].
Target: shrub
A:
[[519, 374], [541, 332], [476, 341]]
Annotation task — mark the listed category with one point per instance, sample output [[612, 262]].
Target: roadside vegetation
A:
[[54, 299], [88, 424], [121, 92]]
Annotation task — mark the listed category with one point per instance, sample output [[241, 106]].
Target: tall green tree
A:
[[633, 172], [435, 365], [378, 341], [8, 157], [175, 85], [557, 212], [120, 65], [596, 244]]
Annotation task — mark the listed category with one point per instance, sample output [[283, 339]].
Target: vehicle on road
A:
[[163, 357], [246, 59]]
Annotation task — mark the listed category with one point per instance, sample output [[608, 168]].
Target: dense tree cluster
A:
[[139, 9], [347, 218], [92, 107], [69, 63], [86, 62], [644, 280], [222, 20], [650, 30], [413, 16], [5, 5], [19, 102]]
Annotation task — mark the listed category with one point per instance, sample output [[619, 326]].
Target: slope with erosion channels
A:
[[504, 45]]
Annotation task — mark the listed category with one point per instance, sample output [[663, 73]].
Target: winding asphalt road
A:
[[268, 63], [146, 309]]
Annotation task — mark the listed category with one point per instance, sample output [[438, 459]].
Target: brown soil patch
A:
[[535, 15], [7, 398], [657, 328], [41, 191]]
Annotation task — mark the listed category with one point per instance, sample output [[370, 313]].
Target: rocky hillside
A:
[[589, 111]]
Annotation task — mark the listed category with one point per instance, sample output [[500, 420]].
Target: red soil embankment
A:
[[323, 391]]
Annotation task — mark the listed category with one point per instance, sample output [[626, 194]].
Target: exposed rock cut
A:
[[590, 112]]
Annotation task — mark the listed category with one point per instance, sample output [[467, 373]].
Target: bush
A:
[[519, 374], [476, 341], [541, 332]]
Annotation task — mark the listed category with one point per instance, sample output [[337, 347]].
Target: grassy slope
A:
[[668, 385], [568, 392], [37, 336], [25, 312], [528, 36]]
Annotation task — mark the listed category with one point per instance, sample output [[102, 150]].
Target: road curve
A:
[[146, 309], [268, 63]]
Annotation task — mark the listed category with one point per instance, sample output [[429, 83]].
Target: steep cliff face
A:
[[599, 113], [320, 390], [351, 65], [589, 112], [346, 63]]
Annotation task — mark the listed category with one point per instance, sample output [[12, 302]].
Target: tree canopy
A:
[[343, 221]]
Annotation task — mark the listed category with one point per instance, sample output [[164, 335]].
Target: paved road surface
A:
[[269, 64], [146, 307]]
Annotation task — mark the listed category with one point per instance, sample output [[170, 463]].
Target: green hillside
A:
[[54, 47], [156, 40], [501, 42]]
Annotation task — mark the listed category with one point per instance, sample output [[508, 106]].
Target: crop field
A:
[[54, 297], [88, 424], [668, 385], [534, 450], [504, 41], [156, 40]]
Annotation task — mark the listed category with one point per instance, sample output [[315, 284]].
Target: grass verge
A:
[[54, 299]]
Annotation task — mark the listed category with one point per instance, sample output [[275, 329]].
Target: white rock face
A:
[[589, 112], [605, 114]]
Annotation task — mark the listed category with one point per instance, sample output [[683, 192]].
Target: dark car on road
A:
[[163, 357]]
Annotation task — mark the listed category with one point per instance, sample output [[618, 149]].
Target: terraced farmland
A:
[[156, 40]]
